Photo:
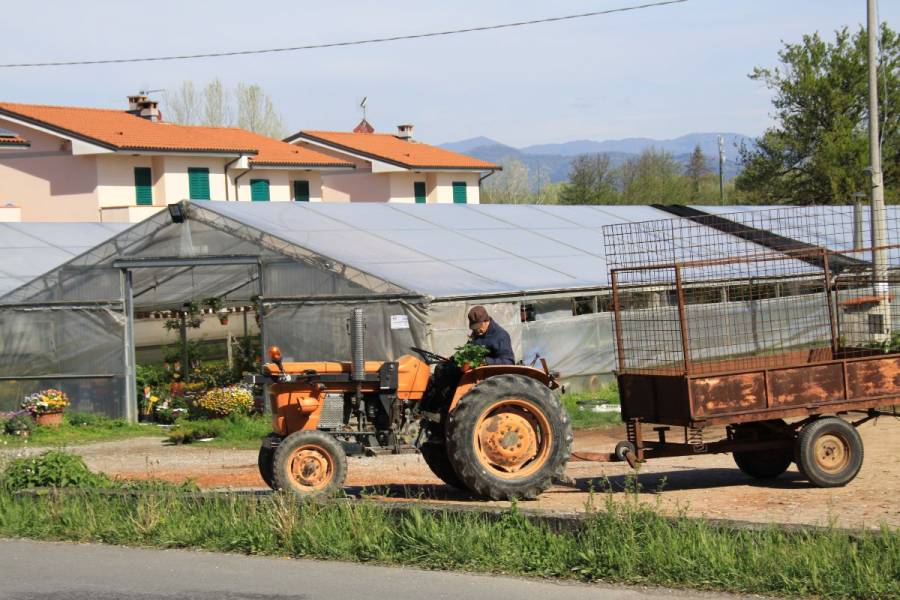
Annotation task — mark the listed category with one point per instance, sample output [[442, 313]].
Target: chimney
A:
[[145, 108], [404, 132]]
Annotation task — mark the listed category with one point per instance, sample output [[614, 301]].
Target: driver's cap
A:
[[477, 314]]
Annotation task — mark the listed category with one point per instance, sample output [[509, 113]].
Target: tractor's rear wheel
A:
[[435, 456], [309, 463], [509, 437], [762, 464], [266, 459]]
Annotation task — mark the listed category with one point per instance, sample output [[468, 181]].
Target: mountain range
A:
[[557, 158]]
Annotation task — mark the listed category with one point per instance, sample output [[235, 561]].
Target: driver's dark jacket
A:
[[499, 346]]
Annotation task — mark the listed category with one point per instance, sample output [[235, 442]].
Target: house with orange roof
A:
[[393, 167], [63, 163]]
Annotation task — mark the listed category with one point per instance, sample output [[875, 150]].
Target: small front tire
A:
[[830, 452], [309, 463]]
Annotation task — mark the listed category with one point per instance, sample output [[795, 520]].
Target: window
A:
[[419, 191], [143, 187], [198, 183], [259, 190], [301, 191], [459, 192]]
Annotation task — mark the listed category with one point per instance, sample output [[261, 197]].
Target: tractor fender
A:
[[473, 377]]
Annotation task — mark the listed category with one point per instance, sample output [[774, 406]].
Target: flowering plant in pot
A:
[[46, 406], [17, 423]]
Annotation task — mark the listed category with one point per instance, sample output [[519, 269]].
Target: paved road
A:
[[62, 571]]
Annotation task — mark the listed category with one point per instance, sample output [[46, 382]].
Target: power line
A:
[[339, 44]]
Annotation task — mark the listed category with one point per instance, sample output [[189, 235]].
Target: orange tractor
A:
[[499, 431]]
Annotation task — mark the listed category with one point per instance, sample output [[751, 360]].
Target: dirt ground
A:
[[703, 485]]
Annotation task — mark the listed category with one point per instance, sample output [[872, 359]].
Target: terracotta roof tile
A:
[[13, 140], [390, 148], [119, 130]]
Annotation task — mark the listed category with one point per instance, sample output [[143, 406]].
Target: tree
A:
[[508, 186], [695, 170], [257, 113], [216, 105], [591, 181], [184, 104], [653, 177], [818, 150]]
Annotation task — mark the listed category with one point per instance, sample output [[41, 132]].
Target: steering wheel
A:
[[429, 357]]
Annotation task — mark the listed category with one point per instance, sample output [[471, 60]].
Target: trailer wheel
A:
[[266, 458], [761, 464], [309, 463], [509, 437], [435, 456], [830, 452]]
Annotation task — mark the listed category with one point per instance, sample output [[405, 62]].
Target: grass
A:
[[82, 428], [237, 431], [622, 542], [584, 418]]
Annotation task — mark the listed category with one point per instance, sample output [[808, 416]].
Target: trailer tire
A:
[[830, 452], [761, 464], [435, 456], [309, 463], [266, 459], [509, 437]]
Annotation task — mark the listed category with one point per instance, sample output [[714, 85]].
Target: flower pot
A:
[[223, 320], [466, 367], [51, 419]]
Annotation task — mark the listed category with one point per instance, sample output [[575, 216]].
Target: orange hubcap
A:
[[832, 452], [312, 467], [512, 438]]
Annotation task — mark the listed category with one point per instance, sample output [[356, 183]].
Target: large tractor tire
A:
[[509, 437], [435, 456], [829, 452], [309, 463], [266, 459], [762, 464]]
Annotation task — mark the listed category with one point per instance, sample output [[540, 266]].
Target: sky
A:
[[660, 72]]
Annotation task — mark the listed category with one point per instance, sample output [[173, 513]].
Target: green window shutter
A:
[[259, 190], [143, 186], [459, 192], [301, 190], [419, 188], [198, 184]]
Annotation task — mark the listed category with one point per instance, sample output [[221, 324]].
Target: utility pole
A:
[[879, 227], [721, 170]]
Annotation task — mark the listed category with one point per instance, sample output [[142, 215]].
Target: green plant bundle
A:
[[470, 354]]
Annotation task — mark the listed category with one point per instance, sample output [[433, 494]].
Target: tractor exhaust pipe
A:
[[358, 346]]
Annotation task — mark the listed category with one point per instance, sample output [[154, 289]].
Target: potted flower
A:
[[46, 406], [470, 356]]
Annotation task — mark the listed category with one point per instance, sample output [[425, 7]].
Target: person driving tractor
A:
[[487, 333]]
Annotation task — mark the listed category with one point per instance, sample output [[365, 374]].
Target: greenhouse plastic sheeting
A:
[[316, 331], [85, 344]]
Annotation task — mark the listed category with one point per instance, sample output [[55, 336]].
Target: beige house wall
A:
[[45, 181], [281, 183], [441, 186]]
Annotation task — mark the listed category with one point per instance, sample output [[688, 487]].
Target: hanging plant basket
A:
[[50, 419]]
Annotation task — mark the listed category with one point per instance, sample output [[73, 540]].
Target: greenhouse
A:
[[302, 267]]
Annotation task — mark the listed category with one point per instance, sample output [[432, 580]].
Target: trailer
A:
[[770, 335]]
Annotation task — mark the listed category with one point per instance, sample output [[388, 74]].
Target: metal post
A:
[[131, 405], [721, 170], [879, 227], [185, 357], [682, 322]]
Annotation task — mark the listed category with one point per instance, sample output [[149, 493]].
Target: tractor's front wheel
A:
[[509, 437], [309, 463]]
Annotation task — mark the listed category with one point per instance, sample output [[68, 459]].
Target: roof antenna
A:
[[362, 105]]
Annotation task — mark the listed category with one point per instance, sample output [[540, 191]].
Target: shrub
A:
[[50, 469], [186, 432], [222, 402], [19, 423]]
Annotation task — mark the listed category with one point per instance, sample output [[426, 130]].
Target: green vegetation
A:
[[622, 541], [236, 431], [82, 428], [818, 150], [582, 415]]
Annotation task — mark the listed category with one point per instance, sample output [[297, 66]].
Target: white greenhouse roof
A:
[[31, 249], [450, 250]]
